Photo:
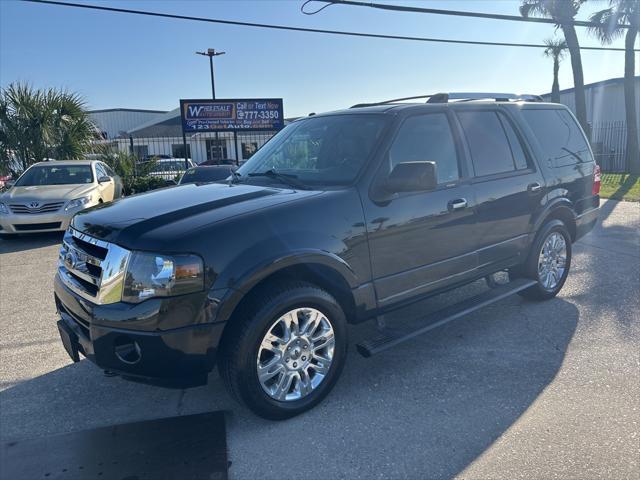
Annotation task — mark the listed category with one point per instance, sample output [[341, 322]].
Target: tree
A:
[[555, 50], [39, 124], [563, 13], [609, 27]]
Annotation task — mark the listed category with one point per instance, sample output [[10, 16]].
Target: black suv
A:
[[339, 218]]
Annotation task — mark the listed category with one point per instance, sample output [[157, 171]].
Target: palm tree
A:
[[37, 124], [555, 50], [608, 28], [563, 13]]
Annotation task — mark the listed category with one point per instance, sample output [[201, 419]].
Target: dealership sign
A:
[[230, 115]]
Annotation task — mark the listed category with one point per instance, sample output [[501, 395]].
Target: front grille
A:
[[36, 208], [92, 268], [25, 227]]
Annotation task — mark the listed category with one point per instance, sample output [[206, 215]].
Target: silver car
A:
[[48, 194]]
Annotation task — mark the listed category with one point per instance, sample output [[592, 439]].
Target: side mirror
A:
[[412, 177], [104, 179]]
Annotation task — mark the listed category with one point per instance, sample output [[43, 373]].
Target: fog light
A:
[[127, 350]]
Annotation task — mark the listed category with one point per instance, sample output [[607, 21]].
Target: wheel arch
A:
[[327, 271], [559, 209]]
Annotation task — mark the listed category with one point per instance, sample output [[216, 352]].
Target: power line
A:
[[436, 11], [302, 29]]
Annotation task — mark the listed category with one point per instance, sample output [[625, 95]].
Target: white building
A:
[[151, 132], [606, 117], [114, 122]]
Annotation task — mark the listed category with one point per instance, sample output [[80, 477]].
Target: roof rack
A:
[[443, 97]]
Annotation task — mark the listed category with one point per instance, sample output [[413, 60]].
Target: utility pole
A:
[[211, 52]]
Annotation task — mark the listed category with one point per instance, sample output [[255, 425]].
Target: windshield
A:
[[326, 150], [56, 175], [206, 174], [169, 166]]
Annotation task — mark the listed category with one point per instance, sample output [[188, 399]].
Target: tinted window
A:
[[426, 138], [491, 151], [559, 136], [206, 174], [519, 157]]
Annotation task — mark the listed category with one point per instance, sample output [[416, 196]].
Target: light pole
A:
[[211, 52]]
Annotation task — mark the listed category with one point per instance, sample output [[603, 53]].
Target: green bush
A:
[[142, 184]]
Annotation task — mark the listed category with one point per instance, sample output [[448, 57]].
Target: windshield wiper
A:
[[288, 178], [234, 177]]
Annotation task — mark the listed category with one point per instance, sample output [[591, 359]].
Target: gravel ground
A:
[[516, 390]]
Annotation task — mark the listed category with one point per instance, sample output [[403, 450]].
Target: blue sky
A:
[[117, 60]]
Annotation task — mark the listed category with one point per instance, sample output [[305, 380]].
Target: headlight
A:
[[3, 209], [77, 203], [150, 275]]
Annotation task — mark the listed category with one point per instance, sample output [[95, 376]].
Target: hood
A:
[[163, 217], [45, 193]]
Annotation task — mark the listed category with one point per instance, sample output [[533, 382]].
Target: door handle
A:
[[534, 187], [458, 204]]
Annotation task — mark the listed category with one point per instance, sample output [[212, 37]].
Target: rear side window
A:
[[427, 138], [559, 136], [495, 147]]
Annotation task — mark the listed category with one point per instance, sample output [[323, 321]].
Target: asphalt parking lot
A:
[[516, 390]]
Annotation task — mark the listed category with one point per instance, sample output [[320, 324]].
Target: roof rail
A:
[[462, 96], [469, 96], [384, 102]]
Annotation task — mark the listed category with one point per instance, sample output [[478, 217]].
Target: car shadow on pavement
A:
[[426, 409], [20, 243], [430, 407]]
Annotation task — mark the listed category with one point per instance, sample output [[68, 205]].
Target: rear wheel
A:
[[287, 352], [548, 262]]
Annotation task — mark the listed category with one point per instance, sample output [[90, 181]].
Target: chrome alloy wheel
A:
[[552, 261], [295, 355]]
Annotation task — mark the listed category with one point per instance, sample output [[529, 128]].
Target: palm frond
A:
[[607, 27], [35, 124]]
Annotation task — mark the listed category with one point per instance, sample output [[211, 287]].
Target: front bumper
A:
[[176, 357], [35, 223]]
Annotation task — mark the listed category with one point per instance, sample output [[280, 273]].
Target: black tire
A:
[[530, 268], [237, 360]]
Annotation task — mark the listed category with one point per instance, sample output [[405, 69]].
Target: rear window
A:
[[559, 136], [206, 174]]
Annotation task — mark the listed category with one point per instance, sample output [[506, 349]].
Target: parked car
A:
[[5, 182], [48, 194], [205, 174], [156, 156], [340, 218], [219, 161], [169, 168]]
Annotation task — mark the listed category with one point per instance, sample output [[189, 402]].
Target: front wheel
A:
[[286, 352], [548, 262]]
